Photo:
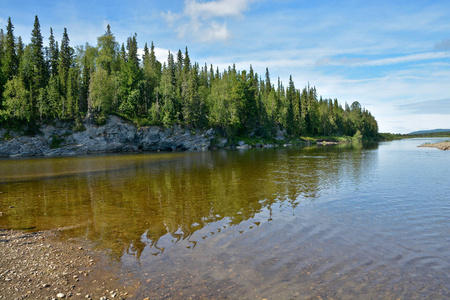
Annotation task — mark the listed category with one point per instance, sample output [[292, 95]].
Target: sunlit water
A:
[[340, 222]]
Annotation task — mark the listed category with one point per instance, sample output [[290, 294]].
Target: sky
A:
[[393, 57]]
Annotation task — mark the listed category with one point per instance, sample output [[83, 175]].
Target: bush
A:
[[56, 142]]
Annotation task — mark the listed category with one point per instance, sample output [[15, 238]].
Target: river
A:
[[345, 221]]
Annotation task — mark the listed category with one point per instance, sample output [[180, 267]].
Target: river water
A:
[[346, 221]]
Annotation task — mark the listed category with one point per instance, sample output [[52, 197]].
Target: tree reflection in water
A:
[[126, 203]]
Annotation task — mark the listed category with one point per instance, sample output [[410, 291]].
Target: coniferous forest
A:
[[42, 83]]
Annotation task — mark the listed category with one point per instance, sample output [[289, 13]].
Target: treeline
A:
[[42, 83], [398, 136]]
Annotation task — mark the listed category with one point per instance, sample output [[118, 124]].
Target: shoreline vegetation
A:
[[391, 136], [45, 84], [119, 135]]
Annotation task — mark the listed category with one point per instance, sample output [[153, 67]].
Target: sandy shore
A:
[[38, 266], [442, 146]]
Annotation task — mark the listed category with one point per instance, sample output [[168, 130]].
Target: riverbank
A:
[[441, 146], [38, 266], [119, 135]]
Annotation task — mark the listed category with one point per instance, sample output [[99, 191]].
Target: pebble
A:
[[49, 270]]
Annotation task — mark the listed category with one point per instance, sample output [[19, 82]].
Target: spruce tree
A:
[[187, 61], [107, 51], [39, 77], [132, 50], [2, 43], [2, 76], [20, 48], [53, 54], [65, 63], [10, 62], [156, 65]]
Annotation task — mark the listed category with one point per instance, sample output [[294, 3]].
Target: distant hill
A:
[[428, 131]]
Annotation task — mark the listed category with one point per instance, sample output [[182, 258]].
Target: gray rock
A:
[[280, 134], [117, 135], [244, 146], [221, 142]]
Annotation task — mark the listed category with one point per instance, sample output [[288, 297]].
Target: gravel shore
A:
[[441, 146], [38, 266]]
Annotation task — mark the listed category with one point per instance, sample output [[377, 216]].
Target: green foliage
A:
[[95, 81], [56, 142], [357, 136], [17, 103], [10, 61], [79, 127], [7, 136]]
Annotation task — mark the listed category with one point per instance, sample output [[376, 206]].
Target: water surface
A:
[[347, 221]]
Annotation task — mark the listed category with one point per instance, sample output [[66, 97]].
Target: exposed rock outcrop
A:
[[117, 135]]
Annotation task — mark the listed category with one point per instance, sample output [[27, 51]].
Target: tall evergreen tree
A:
[[132, 48], [107, 53], [10, 63], [187, 61], [64, 66], [20, 48], [40, 75], [2, 43], [2, 76], [53, 54]]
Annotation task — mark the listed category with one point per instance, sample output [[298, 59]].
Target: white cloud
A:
[[212, 9], [362, 62], [428, 107], [160, 53], [206, 21]]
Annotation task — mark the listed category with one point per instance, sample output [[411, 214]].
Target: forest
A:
[[43, 83]]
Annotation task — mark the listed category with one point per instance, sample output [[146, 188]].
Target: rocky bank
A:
[[117, 135], [38, 266], [441, 146]]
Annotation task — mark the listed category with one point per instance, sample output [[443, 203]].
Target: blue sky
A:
[[391, 56]]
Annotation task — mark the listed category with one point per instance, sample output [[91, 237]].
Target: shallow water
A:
[[346, 221]]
